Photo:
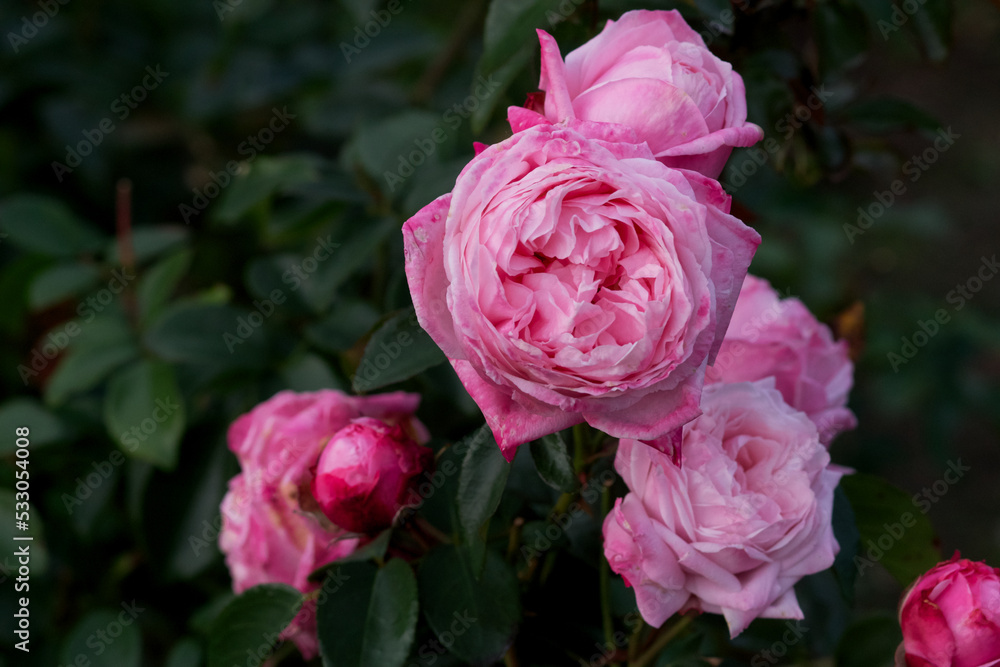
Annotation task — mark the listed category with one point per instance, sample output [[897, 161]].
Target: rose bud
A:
[[951, 616], [367, 473]]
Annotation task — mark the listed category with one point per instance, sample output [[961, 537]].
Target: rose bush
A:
[[951, 617], [773, 337], [272, 530], [571, 277], [650, 71], [732, 529]]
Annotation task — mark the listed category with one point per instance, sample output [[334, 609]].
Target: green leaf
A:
[[933, 25], [91, 638], [266, 177], [846, 531], [44, 225], [480, 616], [870, 642], [251, 622], [880, 115], [208, 333], [61, 282], [374, 550], [504, 76], [44, 427], [384, 145], [308, 372], [147, 242], [509, 26], [185, 653], [480, 485], [893, 530], [371, 618], [350, 256], [83, 369], [396, 351], [158, 283], [841, 34], [144, 412], [554, 464]]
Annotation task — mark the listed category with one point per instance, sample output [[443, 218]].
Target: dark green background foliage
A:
[[266, 263]]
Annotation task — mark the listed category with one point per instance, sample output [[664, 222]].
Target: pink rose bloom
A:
[[780, 338], [733, 529], [272, 529], [570, 277], [951, 616], [367, 472], [650, 71]]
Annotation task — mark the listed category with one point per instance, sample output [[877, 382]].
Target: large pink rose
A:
[[773, 337], [272, 529], [368, 471], [570, 277], [649, 70], [731, 530], [951, 617]]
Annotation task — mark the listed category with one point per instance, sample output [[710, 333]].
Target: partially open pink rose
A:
[[366, 473], [951, 616], [650, 71], [272, 529], [570, 277], [731, 530], [773, 337]]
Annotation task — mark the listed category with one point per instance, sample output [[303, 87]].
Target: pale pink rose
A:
[[732, 529], [650, 71], [570, 277], [272, 529], [773, 337], [367, 473], [951, 616]]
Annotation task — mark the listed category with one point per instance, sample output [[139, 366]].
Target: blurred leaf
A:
[[554, 464], [933, 25], [893, 531], [44, 225], [358, 249], [208, 333], [45, 428], [148, 241], [880, 115], [146, 392], [252, 622], [265, 177], [845, 530], [347, 322], [870, 642], [480, 616], [185, 653], [504, 75], [480, 485], [386, 145], [158, 283], [509, 26], [308, 372], [61, 282], [91, 638], [841, 35], [396, 351], [81, 370]]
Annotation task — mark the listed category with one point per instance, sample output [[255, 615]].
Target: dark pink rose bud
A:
[[366, 474], [951, 616]]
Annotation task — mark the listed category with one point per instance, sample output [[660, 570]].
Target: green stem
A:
[[661, 642]]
